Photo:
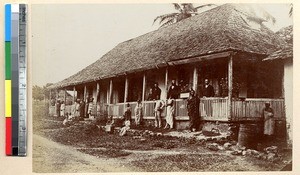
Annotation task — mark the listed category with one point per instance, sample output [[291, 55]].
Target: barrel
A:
[[248, 135]]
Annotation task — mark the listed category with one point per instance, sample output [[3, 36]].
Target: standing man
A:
[[193, 103], [81, 109], [62, 109], [150, 95], [173, 91], [208, 89], [90, 108], [86, 107], [156, 91], [58, 108], [158, 108]]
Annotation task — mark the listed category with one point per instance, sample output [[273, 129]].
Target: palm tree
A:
[[185, 10]]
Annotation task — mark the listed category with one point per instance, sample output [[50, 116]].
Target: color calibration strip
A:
[[15, 79]]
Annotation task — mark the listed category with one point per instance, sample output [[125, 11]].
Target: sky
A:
[[67, 38]]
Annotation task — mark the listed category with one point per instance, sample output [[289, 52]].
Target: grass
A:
[[181, 162], [87, 136]]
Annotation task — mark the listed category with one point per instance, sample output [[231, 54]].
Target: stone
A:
[[254, 152], [242, 148], [271, 156], [234, 148], [227, 145], [159, 134], [271, 149], [244, 153], [221, 148], [142, 139], [213, 146], [209, 139], [239, 152], [136, 137]]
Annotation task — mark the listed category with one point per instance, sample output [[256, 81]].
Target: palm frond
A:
[[177, 7], [165, 17], [190, 7], [169, 22]]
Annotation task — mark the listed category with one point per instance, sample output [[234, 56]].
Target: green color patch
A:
[[7, 60]]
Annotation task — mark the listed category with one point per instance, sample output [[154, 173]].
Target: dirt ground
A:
[[57, 148]]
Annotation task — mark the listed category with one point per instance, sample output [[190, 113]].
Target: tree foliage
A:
[[183, 11], [40, 93]]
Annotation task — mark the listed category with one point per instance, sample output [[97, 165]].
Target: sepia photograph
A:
[[164, 87]]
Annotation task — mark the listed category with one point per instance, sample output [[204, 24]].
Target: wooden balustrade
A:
[[214, 109], [252, 108]]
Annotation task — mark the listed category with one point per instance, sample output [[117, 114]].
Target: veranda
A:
[[249, 83]]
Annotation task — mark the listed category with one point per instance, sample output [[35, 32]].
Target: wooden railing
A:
[[252, 108], [212, 109], [149, 109]]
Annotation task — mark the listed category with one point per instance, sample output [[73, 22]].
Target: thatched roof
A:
[[287, 51], [281, 54], [224, 28], [286, 33]]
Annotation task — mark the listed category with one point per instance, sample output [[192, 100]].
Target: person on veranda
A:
[[193, 103]]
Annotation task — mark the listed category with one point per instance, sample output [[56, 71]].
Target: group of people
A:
[[193, 103], [173, 93], [81, 109], [85, 109], [138, 111]]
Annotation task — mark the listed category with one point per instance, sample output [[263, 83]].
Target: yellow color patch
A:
[[8, 98]]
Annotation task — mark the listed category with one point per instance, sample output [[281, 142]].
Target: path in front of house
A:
[[52, 157]]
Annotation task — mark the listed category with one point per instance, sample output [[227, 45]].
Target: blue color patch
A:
[[8, 22]]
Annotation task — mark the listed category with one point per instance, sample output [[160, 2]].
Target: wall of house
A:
[[288, 95]]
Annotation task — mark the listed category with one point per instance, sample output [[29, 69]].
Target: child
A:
[[109, 127], [127, 117]]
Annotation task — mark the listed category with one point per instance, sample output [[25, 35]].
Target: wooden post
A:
[[84, 93], [166, 82], [126, 90], [144, 87], [97, 94], [230, 86], [65, 96], [57, 94], [74, 98], [195, 79], [110, 92], [50, 98]]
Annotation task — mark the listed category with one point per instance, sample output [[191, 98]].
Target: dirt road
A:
[[49, 156]]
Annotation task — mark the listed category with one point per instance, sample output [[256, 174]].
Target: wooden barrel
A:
[[248, 135]]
